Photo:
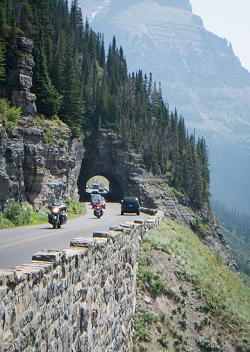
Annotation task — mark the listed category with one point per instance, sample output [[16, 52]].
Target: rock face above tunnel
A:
[[106, 156], [35, 169]]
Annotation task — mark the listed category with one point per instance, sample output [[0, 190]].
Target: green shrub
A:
[[9, 115], [202, 323], [142, 334], [207, 345], [38, 217], [143, 349], [4, 222], [74, 207], [148, 317], [153, 279], [179, 339], [4, 105], [17, 214], [203, 308], [183, 291], [142, 320], [183, 324], [163, 340], [201, 227], [11, 118], [144, 259]]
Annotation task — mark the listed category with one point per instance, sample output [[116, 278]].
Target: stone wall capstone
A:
[[79, 299]]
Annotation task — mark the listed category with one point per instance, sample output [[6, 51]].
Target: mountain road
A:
[[17, 245]]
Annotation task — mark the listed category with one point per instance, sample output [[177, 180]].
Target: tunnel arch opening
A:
[[105, 184], [99, 183]]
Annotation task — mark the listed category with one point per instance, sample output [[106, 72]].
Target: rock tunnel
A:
[[102, 157], [105, 156]]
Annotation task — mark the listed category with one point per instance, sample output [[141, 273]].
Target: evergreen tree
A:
[[72, 108], [2, 61], [3, 32], [48, 99]]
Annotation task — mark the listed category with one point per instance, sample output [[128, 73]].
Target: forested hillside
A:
[[200, 75], [236, 228], [74, 79]]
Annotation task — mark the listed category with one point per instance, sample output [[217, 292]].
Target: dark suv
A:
[[130, 205]]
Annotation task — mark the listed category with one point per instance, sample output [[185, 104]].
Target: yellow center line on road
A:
[[33, 239], [37, 237], [13, 244]]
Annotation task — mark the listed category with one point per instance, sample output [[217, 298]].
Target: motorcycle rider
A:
[[58, 203], [98, 210]]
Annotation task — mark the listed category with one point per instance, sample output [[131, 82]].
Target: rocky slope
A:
[[200, 75], [187, 300]]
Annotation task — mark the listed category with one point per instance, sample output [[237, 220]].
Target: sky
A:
[[229, 19]]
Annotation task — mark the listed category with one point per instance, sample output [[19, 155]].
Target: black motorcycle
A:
[[57, 216]]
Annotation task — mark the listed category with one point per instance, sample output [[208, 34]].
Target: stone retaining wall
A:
[[79, 299]]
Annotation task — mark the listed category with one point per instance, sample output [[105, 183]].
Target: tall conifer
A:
[[48, 99], [72, 108]]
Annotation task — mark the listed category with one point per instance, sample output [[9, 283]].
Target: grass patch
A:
[[201, 279], [47, 131], [222, 289], [226, 298]]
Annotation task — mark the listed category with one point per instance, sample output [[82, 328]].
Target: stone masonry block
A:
[[139, 221], [47, 256], [82, 242]]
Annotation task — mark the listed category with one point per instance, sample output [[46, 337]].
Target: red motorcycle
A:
[[98, 211]]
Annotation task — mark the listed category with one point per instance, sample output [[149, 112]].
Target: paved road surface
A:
[[17, 245]]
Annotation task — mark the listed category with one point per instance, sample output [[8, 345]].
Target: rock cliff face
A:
[[34, 170], [200, 75]]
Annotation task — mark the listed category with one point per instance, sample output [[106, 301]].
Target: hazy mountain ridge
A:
[[200, 75]]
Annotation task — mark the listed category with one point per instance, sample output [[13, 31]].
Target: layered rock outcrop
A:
[[35, 169], [20, 77]]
